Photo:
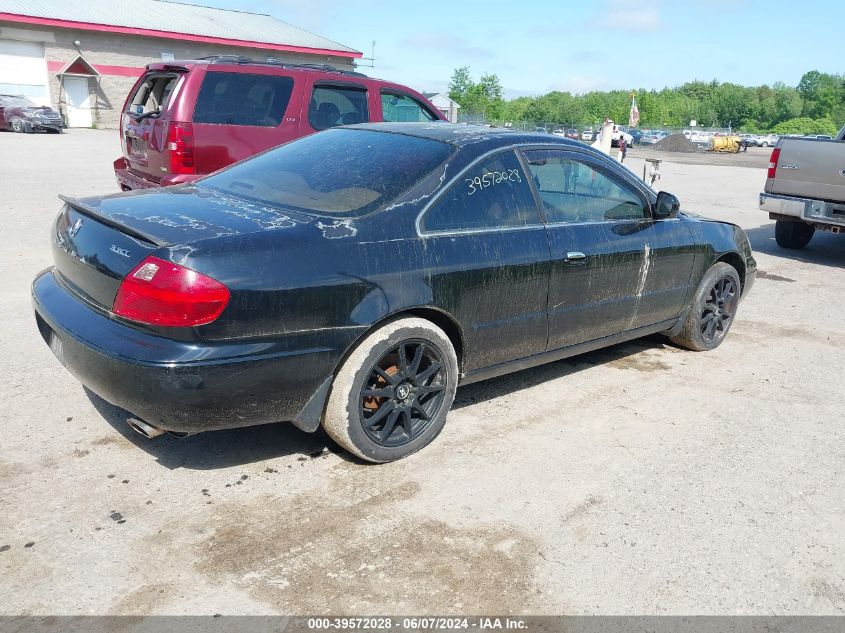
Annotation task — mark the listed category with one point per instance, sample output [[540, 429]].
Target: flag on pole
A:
[[634, 117]]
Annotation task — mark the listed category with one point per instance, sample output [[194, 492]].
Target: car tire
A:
[[391, 395], [711, 310], [17, 126], [793, 235], [764, 144]]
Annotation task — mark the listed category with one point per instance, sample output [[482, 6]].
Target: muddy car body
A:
[[419, 257]]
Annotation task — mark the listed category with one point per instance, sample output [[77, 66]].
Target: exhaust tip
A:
[[147, 430]]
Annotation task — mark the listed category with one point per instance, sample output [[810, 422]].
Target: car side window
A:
[[492, 194], [334, 105], [574, 190], [398, 107], [243, 99]]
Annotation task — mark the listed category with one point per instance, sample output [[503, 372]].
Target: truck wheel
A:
[[391, 395], [793, 234], [712, 309]]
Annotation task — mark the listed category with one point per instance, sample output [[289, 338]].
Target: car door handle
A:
[[575, 257]]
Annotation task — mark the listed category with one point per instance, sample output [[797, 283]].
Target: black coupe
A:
[[354, 278]]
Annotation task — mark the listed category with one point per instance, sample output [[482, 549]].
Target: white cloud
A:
[[632, 15], [579, 84], [450, 45]]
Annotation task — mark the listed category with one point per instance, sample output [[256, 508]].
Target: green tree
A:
[[806, 125], [460, 84]]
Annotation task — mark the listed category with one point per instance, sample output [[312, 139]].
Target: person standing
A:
[[623, 147]]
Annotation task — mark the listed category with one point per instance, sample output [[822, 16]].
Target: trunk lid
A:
[[93, 256], [98, 241]]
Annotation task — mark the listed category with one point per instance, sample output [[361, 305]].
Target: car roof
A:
[[256, 64], [462, 135]]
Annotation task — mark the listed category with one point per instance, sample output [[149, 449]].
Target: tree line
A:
[[815, 106]]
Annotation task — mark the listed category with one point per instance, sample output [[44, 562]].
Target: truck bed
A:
[[810, 168]]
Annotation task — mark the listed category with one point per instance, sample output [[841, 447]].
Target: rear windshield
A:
[[337, 172], [152, 94], [243, 99]]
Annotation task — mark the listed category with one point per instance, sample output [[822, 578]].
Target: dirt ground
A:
[[752, 157], [638, 479]]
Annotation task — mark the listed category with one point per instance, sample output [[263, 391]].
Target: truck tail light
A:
[[773, 163], [158, 292], [180, 144]]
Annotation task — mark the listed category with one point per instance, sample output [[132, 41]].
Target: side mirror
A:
[[667, 206]]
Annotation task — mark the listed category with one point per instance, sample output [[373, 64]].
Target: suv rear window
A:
[[243, 99], [152, 94], [338, 172], [336, 105]]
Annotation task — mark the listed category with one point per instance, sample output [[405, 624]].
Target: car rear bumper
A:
[[806, 209], [129, 181], [184, 386]]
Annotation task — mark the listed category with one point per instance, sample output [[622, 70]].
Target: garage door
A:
[[23, 70]]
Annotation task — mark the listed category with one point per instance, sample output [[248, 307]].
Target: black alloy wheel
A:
[[719, 310], [403, 393]]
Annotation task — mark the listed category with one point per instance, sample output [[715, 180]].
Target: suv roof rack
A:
[[270, 61]]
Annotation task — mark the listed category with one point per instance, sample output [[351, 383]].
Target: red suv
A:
[[183, 120]]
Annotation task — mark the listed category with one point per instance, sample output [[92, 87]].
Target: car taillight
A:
[[158, 292], [773, 163], [180, 143]]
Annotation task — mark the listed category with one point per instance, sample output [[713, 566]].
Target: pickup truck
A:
[[805, 188]]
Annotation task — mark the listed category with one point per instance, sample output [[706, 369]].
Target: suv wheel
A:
[[391, 396], [795, 235]]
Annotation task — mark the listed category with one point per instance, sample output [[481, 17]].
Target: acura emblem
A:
[[73, 230]]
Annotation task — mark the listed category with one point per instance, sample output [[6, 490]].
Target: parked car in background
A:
[[748, 139], [618, 132], [654, 136], [805, 189], [184, 119], [573, 134], [698, 137], [588, 135], [19, 114], [540, 129], [636, 135], [767, 140], [353, 278]]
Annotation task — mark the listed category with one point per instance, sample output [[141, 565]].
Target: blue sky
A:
[[538, 46]]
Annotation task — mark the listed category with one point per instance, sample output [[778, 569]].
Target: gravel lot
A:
[[638, 479]]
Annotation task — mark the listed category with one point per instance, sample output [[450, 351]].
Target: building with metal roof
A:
[[83, 57]]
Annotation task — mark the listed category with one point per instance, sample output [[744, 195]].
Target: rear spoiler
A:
[[95, 214], [159, 66]]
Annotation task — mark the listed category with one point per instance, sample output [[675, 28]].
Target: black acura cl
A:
[[354, 278]]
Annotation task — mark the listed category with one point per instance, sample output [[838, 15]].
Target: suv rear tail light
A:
[[180, 144], [773, 162], [157, 292]]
